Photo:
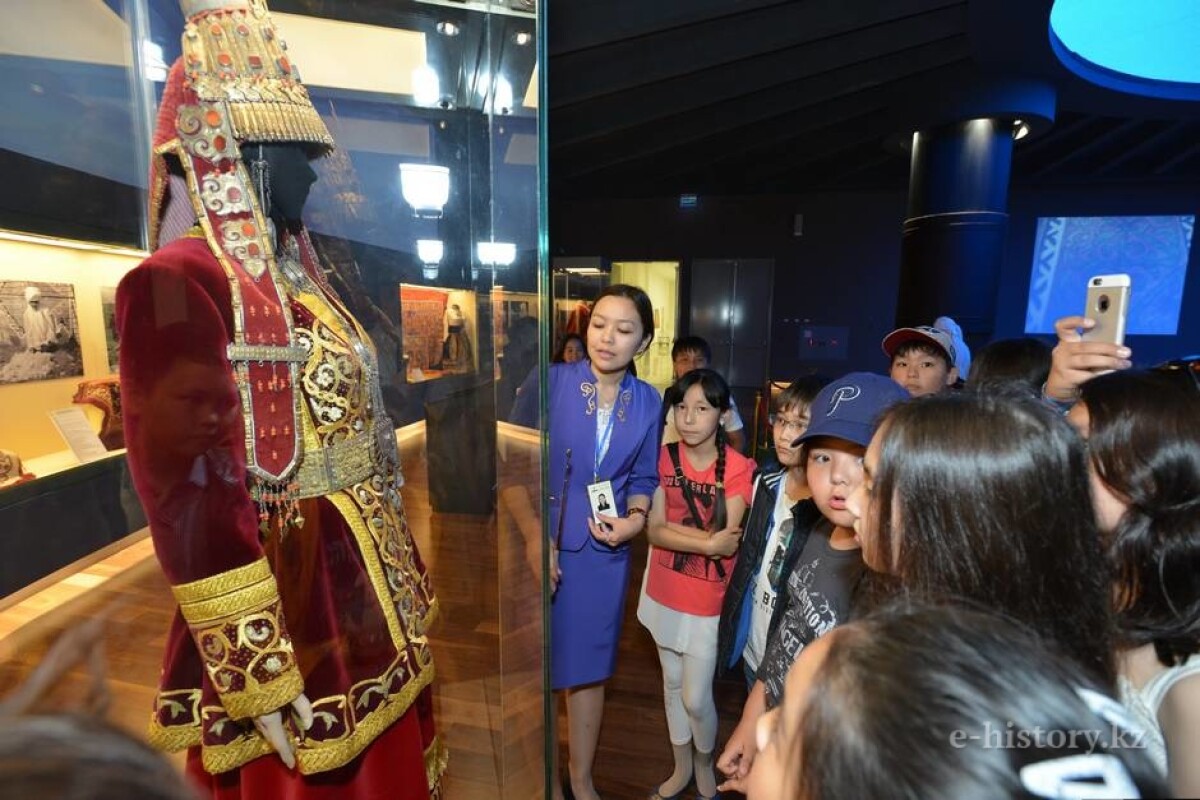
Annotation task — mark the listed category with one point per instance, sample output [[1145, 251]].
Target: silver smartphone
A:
[[1108, 304]]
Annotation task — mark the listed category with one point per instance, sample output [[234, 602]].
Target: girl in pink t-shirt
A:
[[694, 531]]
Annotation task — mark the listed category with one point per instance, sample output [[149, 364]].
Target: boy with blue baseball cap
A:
[[815, 590]]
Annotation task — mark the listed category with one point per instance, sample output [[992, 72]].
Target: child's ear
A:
[[726, 415]]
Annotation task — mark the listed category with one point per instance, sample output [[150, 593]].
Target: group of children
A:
[[957, 532], [936, 591]]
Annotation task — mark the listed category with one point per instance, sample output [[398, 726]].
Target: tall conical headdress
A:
[[233, 85], [232, 53]]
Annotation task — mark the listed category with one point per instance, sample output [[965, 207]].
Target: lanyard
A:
[[602, 442]]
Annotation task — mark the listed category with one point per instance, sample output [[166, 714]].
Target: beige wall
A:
[[25, 426], [660, 279]]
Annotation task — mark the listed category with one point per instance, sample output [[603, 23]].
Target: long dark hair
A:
[[1144, 442], [640, 300], [716, 392], [946, 702], [987, 499]]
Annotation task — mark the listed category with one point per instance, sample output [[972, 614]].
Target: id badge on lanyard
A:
[[600, 493]]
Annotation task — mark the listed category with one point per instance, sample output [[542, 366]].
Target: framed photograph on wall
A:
[[108, 305], [39, 332]]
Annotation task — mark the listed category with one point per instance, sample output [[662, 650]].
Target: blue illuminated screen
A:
[[1067, 251]]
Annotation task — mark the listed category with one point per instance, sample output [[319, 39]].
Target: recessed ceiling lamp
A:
[[426, 187], [430, 251], [522, 38], [447, 28]]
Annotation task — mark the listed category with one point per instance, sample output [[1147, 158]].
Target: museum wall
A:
[[25, 425]]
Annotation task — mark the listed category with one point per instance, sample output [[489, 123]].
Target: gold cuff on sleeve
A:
[[237, 624]]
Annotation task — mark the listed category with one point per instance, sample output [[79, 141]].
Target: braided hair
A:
[[716, 392]]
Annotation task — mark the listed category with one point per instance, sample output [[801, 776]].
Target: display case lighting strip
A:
[[72, 244]]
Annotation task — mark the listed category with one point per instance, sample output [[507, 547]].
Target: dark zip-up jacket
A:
[[734, 627]]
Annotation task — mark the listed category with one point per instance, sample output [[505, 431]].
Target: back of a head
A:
[[800, 393], [1008, 364], [944, 703], [989, 500], [1144, 442], [691, 344], [80, 758]]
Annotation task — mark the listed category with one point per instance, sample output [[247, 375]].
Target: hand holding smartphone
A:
[[1107, 304]]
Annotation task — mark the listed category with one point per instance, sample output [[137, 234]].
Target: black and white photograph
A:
[[108, 303], [39, 332]]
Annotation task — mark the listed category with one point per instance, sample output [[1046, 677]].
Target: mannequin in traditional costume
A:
[[457, 354], [298, 665]]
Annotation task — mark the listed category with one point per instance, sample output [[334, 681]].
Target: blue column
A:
[[953, 238]]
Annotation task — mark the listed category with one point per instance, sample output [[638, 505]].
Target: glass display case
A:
[[426, 221]]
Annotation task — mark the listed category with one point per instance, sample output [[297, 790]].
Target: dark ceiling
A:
[[662, 97]]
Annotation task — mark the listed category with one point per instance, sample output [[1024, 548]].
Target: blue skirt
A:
[[586, 614]]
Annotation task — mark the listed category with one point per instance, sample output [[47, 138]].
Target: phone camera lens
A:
[[1095, 281], [1102, 304]]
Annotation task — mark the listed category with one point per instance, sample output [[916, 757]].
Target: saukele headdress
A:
[[235, 85]]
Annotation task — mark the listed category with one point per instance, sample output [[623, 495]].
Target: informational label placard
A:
[[77, 432]]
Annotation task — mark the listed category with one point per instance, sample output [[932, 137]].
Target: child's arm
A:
[[738, 755], [673, 536], [686, 539], [1179, 716]]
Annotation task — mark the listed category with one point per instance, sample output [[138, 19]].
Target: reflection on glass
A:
[[426, 188], [497, 254]]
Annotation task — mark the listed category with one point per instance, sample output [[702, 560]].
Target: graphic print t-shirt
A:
[[690, 582], [769, 579], [819, 591]]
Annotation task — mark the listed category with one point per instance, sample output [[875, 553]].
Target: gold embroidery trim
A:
[[324, 757], [223, 582], [172, 739], [181, 735], [222, 758], [338, 466], [237, 603], [437, 756], [371, 563], [260, 698]]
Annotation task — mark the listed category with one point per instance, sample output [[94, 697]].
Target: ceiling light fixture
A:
[[496, 254], [426, 187], [522, 38], [447, 28], [430, 251], [1020, 129]]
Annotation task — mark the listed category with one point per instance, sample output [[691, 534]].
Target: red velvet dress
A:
[[336, 604]]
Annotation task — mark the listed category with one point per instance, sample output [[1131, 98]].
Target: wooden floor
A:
[[487, 648]]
